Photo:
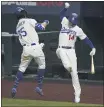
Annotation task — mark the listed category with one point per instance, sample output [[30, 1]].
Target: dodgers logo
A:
[[64, 30]]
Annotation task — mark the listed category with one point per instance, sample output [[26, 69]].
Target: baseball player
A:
[[66, 47], [28, 37]]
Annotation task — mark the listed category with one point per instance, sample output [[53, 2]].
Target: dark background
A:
[[91, 21]]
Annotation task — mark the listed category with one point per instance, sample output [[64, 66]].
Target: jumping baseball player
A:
[[66, 47], [28, 37]]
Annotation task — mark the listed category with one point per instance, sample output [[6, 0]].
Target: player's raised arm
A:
[[39, 26], [63, 11]]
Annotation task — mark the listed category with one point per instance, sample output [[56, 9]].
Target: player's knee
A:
[[42, 66], [22, 69], [67, 66]]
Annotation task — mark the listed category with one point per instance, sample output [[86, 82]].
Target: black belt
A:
[[66, 47], [30, 44]]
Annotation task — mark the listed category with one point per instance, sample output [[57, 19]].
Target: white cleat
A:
[[77, 99]]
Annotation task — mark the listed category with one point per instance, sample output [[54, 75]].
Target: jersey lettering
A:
[[20, 24], [64, 30]]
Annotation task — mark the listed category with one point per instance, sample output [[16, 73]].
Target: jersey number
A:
[[22, 32], [71, 37]]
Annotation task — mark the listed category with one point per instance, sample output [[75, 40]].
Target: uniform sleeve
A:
[[32, 22], [64, 21], [81, 34], [62, 13]]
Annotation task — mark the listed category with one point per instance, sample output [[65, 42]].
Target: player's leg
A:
[[61, 53], [74, 75], [76, 86], [25, 60], [40, 60]]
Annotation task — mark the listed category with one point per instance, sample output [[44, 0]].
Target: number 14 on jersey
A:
[[71, 37]]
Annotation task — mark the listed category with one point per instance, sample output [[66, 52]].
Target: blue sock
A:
[[19, 76], [40, 76]]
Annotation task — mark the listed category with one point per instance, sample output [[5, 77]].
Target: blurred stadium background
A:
[[91, 20]]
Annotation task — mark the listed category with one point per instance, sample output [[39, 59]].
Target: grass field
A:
[[6, 102]]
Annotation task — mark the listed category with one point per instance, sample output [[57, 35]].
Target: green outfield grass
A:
[[6, 102]]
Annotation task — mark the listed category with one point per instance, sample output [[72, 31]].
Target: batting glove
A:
[[47, 21], [67, 5], [74, 15], [93, 52]]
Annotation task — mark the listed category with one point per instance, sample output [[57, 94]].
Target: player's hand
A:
[[93, 52], [42, 45], [74, 15], [46, 21], [67, 5]]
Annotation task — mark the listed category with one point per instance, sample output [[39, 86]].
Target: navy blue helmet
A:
[[20, 13], [73, 18], [19, 9]]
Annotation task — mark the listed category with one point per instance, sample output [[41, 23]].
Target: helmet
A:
[[73, 18], [20, 13]]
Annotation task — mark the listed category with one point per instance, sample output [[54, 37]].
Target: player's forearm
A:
[[63, 13], [45, 23], [42, 26], [88, 42], [39, 26]]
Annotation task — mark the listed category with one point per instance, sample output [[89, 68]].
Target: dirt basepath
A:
[[54, 92]]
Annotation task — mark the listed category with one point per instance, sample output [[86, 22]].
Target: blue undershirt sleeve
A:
[[88, 42], [39, 26], [62, 13]]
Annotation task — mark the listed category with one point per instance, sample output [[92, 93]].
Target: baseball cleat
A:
[[39, 91], [13, 93], [77, 99]]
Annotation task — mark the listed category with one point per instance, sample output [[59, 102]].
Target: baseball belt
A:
[[66, 47], [30, 44]]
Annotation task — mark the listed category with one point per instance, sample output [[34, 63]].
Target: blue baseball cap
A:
[[73, 18], [19, 9]]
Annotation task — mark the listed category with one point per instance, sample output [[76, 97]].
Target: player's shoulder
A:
[[29, 19], [65, 18], [78, 28]]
